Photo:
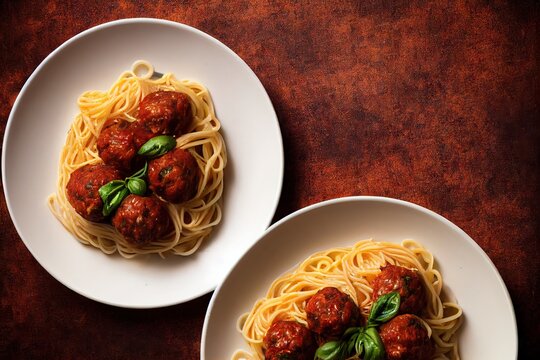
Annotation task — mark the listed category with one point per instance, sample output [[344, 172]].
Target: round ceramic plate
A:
[[41, 117], [467, 271]]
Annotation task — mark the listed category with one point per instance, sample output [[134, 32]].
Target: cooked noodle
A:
[[352, 270], [193, 220]]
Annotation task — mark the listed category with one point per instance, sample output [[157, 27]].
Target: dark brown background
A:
[[430, 102]]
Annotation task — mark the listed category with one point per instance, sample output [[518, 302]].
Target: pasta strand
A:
[[193, 220], [352, 270]]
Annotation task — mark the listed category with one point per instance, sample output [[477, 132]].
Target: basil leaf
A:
[[328, 350], [109, 188], [351, 347], [385, 308], [373, 345], [368, 350], [351, 331], [115, 191], [342, 353], [332, 350], [136, 186], [359, 343], [157, 146], [359, 346], [114, 200]]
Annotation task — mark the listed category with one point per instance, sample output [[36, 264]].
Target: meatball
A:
[[405, 338], [141, 220], [330, 312], [116, 144], [83, 189], [140, 134], [289, 340], [165, 113], [405, 281], [174, 176]]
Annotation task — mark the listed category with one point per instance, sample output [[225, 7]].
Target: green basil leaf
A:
[[359, 343], [157, 146], [359, 346], [368, 349], [344, 354], [114, 200], [332, 350], [351, 346], [109, 188], [385, 308], [374, 347], [325, 350], [136, 186], [351, 331]]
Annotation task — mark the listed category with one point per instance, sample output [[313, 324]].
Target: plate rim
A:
[[101, 27], [364, 198]]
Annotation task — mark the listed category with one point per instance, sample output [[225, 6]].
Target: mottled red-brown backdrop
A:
[[431, 102]]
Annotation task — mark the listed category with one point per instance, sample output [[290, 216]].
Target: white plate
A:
[[467, 271], [36, 132]]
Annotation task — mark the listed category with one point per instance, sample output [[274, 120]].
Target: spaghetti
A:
[[193, 220], [352, 270]]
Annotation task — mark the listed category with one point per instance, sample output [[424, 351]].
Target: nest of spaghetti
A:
[[141, 171], [372, 301]]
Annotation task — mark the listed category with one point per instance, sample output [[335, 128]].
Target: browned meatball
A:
[[405, 338], [140, 134], [330, 312], [289, 340], [405, 281], [116, 144], [141, 220], [83, 189], [174, 176], [165, 113]]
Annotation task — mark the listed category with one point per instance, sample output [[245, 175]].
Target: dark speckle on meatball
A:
[[405, 281], [165, 113], [174, 176], [330, 312], [141, 220], [405, 338], [289, 340], [83, 189]]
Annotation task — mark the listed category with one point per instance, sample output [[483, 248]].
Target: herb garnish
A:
[[115, 191], [157, 146], [363, 340]]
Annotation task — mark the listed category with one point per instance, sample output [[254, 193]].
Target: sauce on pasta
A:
[[193, 220], [352, 270]]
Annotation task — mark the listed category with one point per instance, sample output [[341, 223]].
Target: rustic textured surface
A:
[[430, 102]]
